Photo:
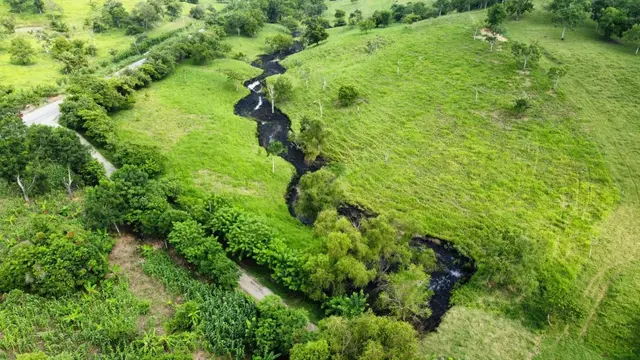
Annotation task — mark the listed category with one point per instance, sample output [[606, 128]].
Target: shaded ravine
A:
[[453, 267]]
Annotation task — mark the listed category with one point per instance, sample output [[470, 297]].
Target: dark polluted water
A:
[[454, 268]]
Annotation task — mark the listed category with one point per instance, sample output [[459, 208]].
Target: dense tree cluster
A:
[[21, 6], [144, 16], [37, 159], [614, 18], [363, 337], [12, 100], [50, 253]]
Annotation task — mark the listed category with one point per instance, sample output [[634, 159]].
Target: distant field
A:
[[46, 70], [366, 6]]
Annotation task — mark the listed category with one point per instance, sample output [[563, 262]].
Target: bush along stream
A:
[[453, 267]]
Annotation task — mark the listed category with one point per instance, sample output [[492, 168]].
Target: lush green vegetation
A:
[[511, 141]]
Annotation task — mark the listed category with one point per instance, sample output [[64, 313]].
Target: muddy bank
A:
[[453, 267]]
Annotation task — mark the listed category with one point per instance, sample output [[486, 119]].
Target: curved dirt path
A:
[[125, 255]]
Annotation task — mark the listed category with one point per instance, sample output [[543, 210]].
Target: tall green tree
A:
[[406, 294], [38, 5], [340, 18], [366, 25], [442, 6], [311, 138], [174, 9], [104, 207], [8, 23], [277, 327], [518, 8], [17, 6], [568, 14], [145, 15], [206, 46], [526, 53], [355, 18], [633, 36], [318, 191], [367, 337], [613, 22], [274, 149], [14, 153], [22, 53], [314, 32], [114, 13], [555, 74], [495, 16]]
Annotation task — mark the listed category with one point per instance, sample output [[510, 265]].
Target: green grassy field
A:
[[565, 172], [46, 70]]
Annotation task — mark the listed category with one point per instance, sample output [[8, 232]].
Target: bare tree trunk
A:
[[564, 29], [440, 12], [22, 187], [491, 46], [273, 164], [638, 48], [525, 63], [68, 181], [398, 70], [271, 91], [117, 228], [555, 84], [476, 95], [324, 83]]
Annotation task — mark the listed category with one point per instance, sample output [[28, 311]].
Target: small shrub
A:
[[146, 157], [347, 95], [186, 318], [521, 105]]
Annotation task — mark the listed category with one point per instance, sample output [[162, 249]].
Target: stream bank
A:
[[454, 268]]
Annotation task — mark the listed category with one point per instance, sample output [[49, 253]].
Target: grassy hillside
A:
[[421, 146], [564, 173]]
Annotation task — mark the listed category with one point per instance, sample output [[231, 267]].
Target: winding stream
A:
[[454, 268]]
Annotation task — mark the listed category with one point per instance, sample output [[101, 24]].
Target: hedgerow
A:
[[188, 237]]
